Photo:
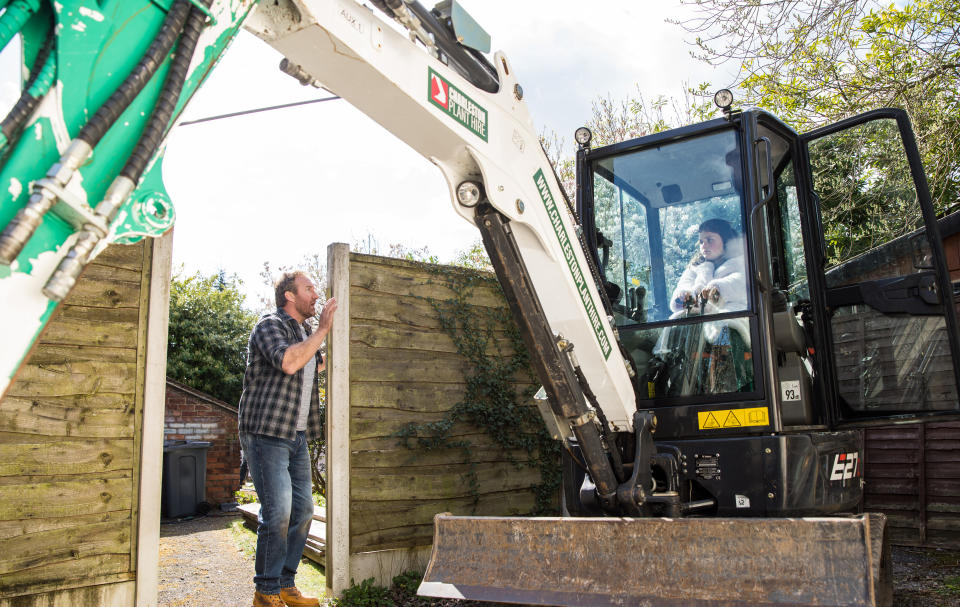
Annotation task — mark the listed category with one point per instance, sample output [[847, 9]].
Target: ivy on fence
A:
[[493, 401]]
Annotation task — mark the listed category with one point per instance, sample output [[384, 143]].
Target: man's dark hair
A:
[[284, 284]]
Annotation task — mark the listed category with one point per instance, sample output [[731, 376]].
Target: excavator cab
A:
[[774, 291]]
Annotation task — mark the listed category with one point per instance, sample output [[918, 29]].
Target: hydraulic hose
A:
[[41, 79], [598, 282], [169, 96], [45, 191], [110, 111], [470, 64], [607, 435], [77, 258], [16, 15]]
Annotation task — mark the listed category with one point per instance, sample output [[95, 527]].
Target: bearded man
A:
[[279, 413]]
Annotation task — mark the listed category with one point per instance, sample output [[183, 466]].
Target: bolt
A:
[[518, 91], [770, 495], [519, 206], [768, 450]]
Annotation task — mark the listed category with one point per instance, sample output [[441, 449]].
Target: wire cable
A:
[[256, 110]]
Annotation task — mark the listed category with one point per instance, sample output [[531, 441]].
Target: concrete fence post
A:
[[338, 423]]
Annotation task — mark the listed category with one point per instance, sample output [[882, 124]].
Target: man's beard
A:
[[306, 310]]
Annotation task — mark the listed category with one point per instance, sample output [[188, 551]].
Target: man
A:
[[279, 413]]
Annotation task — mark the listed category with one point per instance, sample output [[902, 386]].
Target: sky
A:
[[279, 185]]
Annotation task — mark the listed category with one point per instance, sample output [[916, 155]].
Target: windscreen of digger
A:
[[672, 216]]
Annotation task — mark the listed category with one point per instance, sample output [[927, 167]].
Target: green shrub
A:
[[408, 582], [366, 594]]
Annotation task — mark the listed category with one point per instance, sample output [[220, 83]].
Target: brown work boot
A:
[[292, 598], [266, 600]]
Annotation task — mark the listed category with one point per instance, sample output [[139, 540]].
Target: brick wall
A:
[[194, 416]]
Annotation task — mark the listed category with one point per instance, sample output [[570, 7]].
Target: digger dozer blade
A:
[[658, 561]]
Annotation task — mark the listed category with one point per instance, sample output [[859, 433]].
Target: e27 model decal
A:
[[845, 466]]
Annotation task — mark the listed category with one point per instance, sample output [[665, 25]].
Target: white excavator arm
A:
[[471, 135]]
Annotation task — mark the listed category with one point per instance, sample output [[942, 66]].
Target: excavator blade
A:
[[658, 561]]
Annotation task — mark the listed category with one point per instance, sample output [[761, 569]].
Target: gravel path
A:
[[200, 564]]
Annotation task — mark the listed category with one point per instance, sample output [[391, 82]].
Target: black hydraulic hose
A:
[[169, 96], [618, 468], [598, 282], [21, 112], [473, 67], [156, 54], [469, 63], [382, 5]]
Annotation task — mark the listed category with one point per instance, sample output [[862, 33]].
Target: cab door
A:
[[889, 340]]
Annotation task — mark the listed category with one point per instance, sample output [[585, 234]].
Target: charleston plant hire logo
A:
[[568, 253], [456, 104]]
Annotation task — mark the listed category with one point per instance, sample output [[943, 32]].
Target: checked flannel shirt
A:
[[271, 398]]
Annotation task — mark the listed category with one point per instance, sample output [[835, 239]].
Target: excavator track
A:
[[659, 561]]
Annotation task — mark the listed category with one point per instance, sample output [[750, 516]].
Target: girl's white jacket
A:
[[729, 278]]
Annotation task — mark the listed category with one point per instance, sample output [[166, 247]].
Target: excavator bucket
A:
[[659, 561]]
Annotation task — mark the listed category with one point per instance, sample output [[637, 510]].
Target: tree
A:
[[473, 257], [817, 61], [209, 329], [637, 116]]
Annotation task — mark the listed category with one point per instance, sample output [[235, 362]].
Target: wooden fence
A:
[[913, 471], [913, 476], [79, 477], [392, 364]]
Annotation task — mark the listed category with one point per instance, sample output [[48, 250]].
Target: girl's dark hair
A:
[[720, 227]]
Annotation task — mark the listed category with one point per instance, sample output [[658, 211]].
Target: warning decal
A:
[[733, 418], [456, 104]]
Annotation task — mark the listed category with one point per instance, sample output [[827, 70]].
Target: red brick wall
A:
[[191, 418], [951, 246]]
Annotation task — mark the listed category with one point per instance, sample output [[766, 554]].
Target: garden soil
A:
[[201, 564]]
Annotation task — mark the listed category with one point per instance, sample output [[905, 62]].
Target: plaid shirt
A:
[[271, 398]]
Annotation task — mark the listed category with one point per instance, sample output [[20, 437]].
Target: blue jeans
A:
[[281, 474]]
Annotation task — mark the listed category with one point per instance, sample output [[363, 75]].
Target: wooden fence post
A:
[[338, 423]]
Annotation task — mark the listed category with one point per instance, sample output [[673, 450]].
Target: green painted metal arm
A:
[[98, 44]]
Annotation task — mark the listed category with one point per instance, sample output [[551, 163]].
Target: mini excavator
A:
[[713, 452]]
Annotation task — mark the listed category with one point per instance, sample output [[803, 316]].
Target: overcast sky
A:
[[279, 185]]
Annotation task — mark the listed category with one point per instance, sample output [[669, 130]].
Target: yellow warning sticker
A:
[[733, 418]]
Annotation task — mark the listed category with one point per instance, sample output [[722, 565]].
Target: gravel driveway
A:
[[200, 564]]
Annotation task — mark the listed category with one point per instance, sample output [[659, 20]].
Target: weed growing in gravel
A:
[[951, 586], [245, 539]]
